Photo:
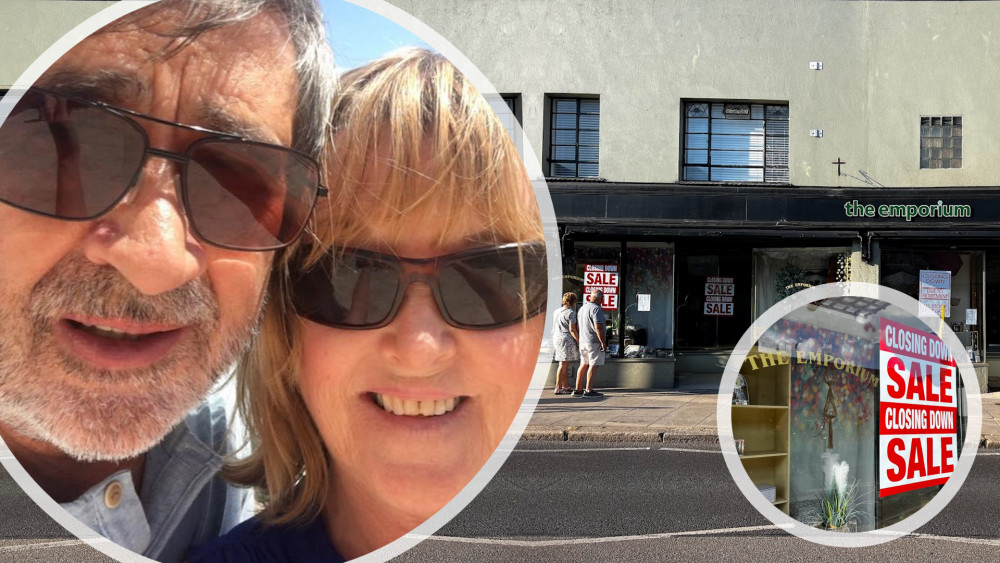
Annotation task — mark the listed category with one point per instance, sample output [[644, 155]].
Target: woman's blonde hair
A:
[[569, 299], [409, 134]]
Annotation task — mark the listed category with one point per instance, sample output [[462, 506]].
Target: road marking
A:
[[584, 541], [667, 535], [43, 545], [958, 539], [690, 450], [564, 450]]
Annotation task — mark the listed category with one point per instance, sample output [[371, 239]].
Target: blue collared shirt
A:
[[183, 502]]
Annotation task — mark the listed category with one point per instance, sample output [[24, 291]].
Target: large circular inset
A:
[[818, 355]]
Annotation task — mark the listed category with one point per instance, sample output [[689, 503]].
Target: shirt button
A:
[[113, 494]]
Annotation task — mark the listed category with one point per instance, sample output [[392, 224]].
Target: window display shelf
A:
[[763, 425], [764, 453]]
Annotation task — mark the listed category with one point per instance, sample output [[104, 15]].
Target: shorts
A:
[[591, 354]]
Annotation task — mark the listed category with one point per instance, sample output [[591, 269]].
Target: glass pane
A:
[[757, 111], [697, 110], [776, 112], [564, 106], [590, 106], [779, 159], [776, 175], [730, 158], [590, 137], [696, 141], [588, 170], [744, 142], [590, 121], [696, 173], [738, 126], [564, 136], [697, 125], [563, 170], [588, 154], [737, 175], [776, 143], [563, 152], [777, 128], [696, 157], [564, 120]]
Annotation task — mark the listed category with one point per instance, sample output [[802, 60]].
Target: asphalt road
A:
[[28, 534], [560, 501]]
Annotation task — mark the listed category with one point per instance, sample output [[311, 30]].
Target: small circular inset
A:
[[113, 494], [848, 414]]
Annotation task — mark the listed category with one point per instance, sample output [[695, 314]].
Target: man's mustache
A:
[[77, 286]]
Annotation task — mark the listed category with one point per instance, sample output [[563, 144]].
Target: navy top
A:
[[252, 542]]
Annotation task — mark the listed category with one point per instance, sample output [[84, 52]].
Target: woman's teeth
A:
[[407, 407]]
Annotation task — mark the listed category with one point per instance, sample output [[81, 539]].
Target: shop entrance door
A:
[[713, 298]]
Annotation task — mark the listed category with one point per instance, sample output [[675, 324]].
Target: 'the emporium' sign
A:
[[605, 278], [918, 411]]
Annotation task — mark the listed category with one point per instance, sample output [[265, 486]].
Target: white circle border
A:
[[786, 522]]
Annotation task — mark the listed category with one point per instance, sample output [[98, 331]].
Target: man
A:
[[591, 321], [135, 249]]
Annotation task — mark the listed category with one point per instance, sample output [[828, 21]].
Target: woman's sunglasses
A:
[[482, 288], [74, 159]]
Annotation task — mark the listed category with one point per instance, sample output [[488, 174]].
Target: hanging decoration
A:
[[829, 409]]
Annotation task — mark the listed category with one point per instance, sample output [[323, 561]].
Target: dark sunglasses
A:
[[474, 289], [74, 159]]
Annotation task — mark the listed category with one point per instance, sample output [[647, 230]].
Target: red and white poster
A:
[[719, 293], [918, 409], [605, 278]]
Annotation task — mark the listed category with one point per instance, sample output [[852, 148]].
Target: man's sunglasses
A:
[[474, 289], [74, 159]]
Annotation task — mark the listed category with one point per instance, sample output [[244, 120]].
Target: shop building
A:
[[752, 148]]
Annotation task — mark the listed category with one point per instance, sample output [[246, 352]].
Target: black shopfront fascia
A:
[[785, 212]]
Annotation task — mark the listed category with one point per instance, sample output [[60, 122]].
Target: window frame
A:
[[767, 152], [552, 102]]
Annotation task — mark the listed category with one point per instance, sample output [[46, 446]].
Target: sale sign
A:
[[935, 292], [719, 293], [605, 278], [918, 409]]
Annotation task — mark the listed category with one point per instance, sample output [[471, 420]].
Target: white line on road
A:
[[565, 450], [667, 535], [581, 541], [690, 450], [43, 545]]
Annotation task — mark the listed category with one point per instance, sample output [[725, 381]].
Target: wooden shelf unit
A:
[[763, 425]]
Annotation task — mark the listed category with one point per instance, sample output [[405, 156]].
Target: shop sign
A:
[[935, 292], [719, 293], [918, 410], [605, 278]]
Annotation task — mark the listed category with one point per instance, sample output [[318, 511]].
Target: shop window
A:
[[639, 291], [781, 272], [574, 138], [508, 109], [648, 314], [735, 142], [941, 141]]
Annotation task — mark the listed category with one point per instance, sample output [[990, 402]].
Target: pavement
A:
[[683, 416]]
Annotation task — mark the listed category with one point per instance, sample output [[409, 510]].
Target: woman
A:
[[565, 340], [388, 369]]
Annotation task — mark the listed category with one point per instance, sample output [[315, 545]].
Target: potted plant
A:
[[839, 501]]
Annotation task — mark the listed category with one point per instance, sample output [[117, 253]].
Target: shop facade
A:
[[697, 264]]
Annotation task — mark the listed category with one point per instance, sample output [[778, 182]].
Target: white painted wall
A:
[[884, 65]]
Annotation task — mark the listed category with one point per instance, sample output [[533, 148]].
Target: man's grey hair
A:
[[313, 58], [596, 295]]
